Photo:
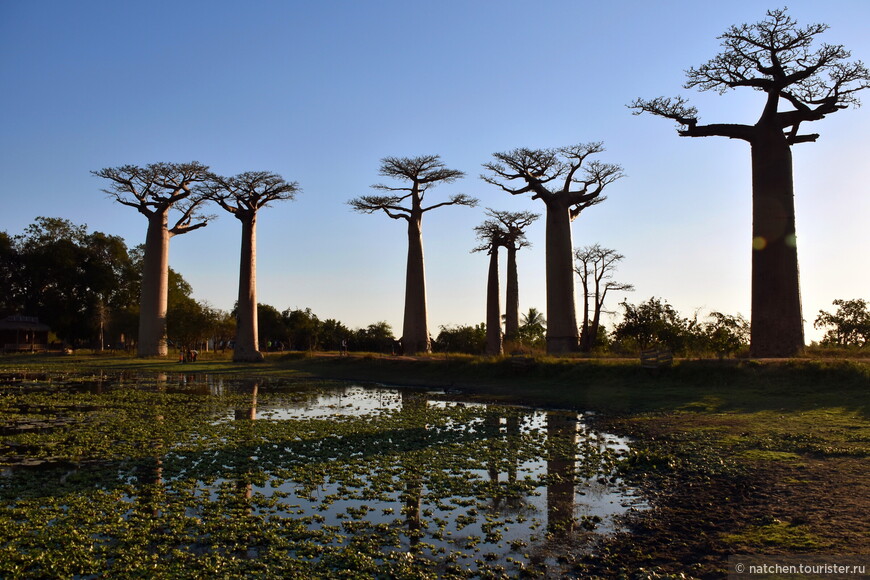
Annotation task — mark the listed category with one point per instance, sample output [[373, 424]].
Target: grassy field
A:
[[602, 385], [738, 457]]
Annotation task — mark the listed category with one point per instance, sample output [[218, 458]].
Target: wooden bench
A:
[[521, 363], [655, 359]]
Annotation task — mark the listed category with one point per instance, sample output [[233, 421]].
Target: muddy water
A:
[[317, 474]]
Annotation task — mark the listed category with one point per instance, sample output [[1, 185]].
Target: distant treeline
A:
[[85, 286]]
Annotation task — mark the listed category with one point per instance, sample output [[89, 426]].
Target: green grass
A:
[[606, 385], [777, 535]]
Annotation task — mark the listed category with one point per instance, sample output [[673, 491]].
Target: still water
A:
[[182, 473]]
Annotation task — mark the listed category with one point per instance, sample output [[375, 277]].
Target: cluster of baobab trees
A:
[[775, 56], [156, 189]]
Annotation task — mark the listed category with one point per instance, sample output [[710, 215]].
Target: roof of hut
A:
[[19, 322]]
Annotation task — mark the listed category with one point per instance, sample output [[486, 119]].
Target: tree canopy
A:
[[777, 57]]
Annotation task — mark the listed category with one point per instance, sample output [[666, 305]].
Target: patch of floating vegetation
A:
[[163, 474]]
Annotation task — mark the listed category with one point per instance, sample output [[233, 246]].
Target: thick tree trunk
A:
[[155, 287], [512, 297], [247, 347], [777, 323], [493, 309], [562, 334], [415, 329], [561, 475]]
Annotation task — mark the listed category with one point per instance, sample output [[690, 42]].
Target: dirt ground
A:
[[808, 506]]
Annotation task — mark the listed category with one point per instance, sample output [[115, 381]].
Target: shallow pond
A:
[[198, 475]]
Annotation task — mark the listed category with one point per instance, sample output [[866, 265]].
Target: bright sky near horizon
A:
[[320, 91]]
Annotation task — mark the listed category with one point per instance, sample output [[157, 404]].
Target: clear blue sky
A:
[[320, 91]]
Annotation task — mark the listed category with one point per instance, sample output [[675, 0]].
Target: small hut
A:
[[23, 333]]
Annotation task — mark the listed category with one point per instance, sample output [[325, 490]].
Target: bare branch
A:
[[775, 56], [505, 228], [157, 188], [457, 199], [421, 173], [246, 193], [373, 203]]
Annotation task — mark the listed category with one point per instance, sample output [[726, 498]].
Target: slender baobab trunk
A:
[[493, 309], [415, 329], [247, 347], [777, 323], [587, 342], [562, 334], [155, 287], [512, 297], [584, 328]]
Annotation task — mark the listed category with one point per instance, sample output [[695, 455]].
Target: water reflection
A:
[[319, 469]]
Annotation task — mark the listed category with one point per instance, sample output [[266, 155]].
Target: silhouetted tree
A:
[[533, 328], [332, 332], [725, 334], [462, 338], [9, 268], [567, 185], [514, 239], [420, 174], [189, 322], [303, 328], [377, 337], [848, 326], [155, 190], [774, 56], [243, 196], [221, 326], [73, 280], [489, 233], [651, 323], [272, 325], [595, 266], [503, 229]]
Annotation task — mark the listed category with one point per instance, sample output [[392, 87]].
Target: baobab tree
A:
[[504, 229], [513, 239], [567, 185], [155, 190], [419, 174], [490, 233], [776, 57], [595, 266], [243, 196]]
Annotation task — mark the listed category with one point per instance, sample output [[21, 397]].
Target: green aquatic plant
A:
[[162, 475]]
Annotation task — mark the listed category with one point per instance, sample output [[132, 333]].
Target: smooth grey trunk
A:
[[415, 329], [777, 321], [512, 297], [562, 333], [493, 309], [153, 299], [247, 347]]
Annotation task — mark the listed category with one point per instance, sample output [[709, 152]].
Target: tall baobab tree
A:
[[776, 57], [513, 239], [155, 190], [243, 196], [490, 233], [595, 265], [419, 174], [503, 229], [567, 185]]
